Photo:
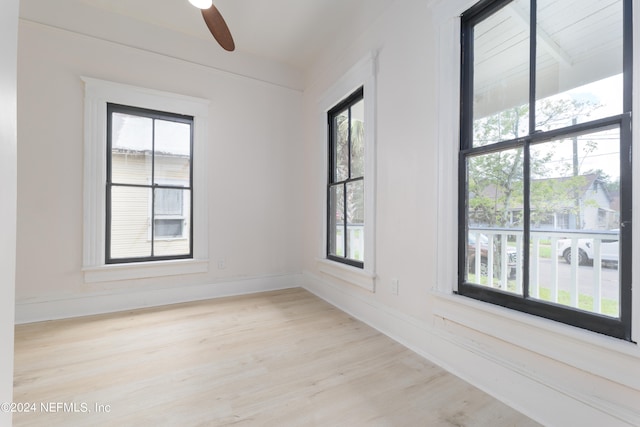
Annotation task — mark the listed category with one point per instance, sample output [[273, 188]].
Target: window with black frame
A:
[[345, 188], [149, 185], [544, 163]]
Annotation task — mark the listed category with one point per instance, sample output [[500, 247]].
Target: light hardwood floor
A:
[[281, 358]]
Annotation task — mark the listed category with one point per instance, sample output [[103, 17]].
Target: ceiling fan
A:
[[215, 22]]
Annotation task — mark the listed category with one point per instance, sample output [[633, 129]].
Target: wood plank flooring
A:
[[282, 358]]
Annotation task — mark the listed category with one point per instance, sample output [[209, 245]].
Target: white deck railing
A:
[[548, 272], [355, 239]]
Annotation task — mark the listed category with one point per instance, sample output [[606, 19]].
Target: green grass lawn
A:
[[585, 302], [544, 248], [544, 251]]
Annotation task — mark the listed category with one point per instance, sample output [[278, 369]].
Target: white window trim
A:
[[97, 94], [447, 15], [523, 327], [362, 74]]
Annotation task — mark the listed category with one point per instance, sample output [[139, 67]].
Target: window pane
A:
[[341, 148], [172, 232], [131, 147], [355, 220], [494, 212], [172, 152], [168, 227], [336, 220], [357, 140], [501, 75], [579, 62], [169, 201], [130, 226], [575, 209]]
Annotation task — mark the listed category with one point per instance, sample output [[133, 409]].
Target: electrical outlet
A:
[[394, 286], [222, 263]]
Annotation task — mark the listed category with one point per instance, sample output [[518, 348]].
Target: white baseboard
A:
[[85, 304], [547, 391]]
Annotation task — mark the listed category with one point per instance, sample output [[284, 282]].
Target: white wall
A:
[[406, 147], [8, 178], [556, 374], [254, 132]]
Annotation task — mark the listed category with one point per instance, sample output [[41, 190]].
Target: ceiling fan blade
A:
[[217, 26]]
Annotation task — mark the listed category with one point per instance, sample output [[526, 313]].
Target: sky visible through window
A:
[[134, 133], [606, 98]]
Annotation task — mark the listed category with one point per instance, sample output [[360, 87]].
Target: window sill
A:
[[352, 275], [573, 346], [142, 270]]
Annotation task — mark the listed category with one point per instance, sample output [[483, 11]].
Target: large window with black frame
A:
[[345, 188], [149, 185], [544, 162]]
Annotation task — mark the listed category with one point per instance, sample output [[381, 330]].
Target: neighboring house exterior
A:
[[554, 208], [131, 215], [593, 210]]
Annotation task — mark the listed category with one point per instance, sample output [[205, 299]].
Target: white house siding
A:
[[594, 201]]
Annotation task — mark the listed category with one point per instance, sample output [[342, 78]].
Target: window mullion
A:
[[526, 229], [627, 55], [346, 210], [466, 107], [153, 186], [349, 141], [526, 172], [626, 231], [108, 201], [533, 46], [346, 220], [108, 219]]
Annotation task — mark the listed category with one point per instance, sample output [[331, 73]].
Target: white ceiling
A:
[[293, 32]]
